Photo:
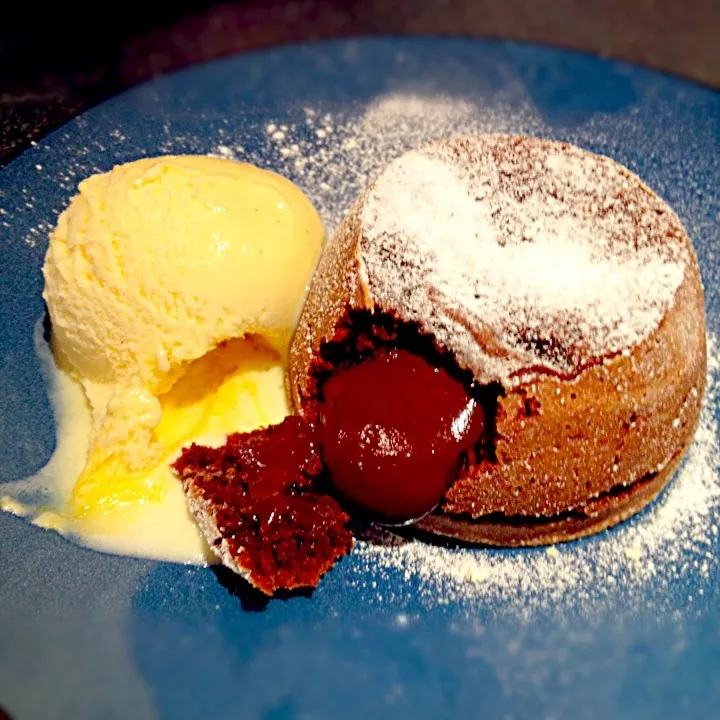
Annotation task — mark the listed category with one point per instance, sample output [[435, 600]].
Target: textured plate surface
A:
[[625, 625]]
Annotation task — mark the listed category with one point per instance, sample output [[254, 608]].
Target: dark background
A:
[[58, 58]]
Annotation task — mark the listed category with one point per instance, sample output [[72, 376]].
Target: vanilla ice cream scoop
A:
[[158, 261]]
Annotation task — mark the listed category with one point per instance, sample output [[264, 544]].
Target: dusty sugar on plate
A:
[[334, 156]]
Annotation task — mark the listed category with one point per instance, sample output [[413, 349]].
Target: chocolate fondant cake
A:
[[563, 295]]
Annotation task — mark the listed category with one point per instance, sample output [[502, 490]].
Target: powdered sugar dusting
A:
[[561, 255], [333, 156], [675, 538]]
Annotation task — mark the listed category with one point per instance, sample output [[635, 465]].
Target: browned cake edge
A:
[[600, 514]]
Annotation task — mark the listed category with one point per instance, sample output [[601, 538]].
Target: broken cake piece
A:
[[258, 501]]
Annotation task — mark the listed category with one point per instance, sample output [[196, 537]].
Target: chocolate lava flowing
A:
[[393, 430]]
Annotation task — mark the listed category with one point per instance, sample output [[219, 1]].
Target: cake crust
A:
[[588, 428], [595, 516]]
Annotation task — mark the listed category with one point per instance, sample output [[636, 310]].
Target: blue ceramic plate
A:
[[623, 625]]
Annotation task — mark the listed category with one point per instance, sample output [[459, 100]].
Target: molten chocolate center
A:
[[394, 430]]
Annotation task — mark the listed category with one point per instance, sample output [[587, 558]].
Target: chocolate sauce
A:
[[394, 430]]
